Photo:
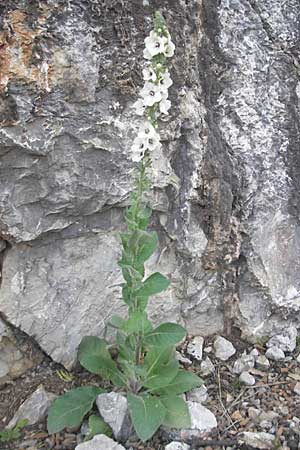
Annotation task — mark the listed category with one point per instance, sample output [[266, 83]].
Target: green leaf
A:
[[147, 414], [116, 321], [154, 284], [178, 415], [94, 356], [165, 335], [70, 409], [183, 382], [143, 244], [162, 367], [97, 426], [144, 218], [137, 323]]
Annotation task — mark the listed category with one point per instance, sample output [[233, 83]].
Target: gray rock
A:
[[195, 348], [298, 358], [262, 362], [223, 348], [100, 442], [275, 353], [202, 419], [13, 362], [297, 388], [286, 340], [247, 378], [258, 440], [34, 408], [199, 395], [244, 363], [207, 367], [202, 422], [114, 410], [177, 446]]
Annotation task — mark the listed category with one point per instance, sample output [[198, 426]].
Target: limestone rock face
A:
[[225, 189]]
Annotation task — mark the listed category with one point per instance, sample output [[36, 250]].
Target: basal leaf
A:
[[94, 356], [183, 382], [162, 376], [147, 414], [161, 367], [69, 409], [154, 284], [97, 426], [165, 335], [177, 415]]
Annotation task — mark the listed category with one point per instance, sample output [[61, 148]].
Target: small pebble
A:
[[262, 362], [195, 347], [275, 353], [247, 379], [297, 388]]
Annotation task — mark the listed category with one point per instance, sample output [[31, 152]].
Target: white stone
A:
[[253, 413], [244, 363], [199, 395], [207, 367], [177, 446], [100, 442], [259, 440], [298, 358], [202, 419], [255, 353], [286, 340], [195, 348], [262, 362], [297, 388], [208, 349], [183, 359], [247, 378], [34, 408], [275, 353], [114, 410], [223, 348]]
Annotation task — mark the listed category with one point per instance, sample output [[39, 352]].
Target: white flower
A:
[[149, 74], [150, 136], [147, 131], [139, 107], [138, 148], [153, 142], [164, 105], [155, 44], [165, 82], [146, 54], [169, 48], [151, 93]]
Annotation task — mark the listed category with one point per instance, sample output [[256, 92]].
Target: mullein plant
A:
[[145, 367]]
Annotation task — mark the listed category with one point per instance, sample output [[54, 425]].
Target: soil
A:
[[228, 400]]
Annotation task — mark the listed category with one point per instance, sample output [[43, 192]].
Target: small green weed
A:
[[13, 433]]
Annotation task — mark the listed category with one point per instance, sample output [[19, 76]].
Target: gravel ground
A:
[[268, 406]]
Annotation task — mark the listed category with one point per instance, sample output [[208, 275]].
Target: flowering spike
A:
[[153, 100]]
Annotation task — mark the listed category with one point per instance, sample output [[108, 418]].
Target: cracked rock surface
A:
[[225, 190]]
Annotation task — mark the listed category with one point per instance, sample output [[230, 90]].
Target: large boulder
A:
[[225, 188]]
